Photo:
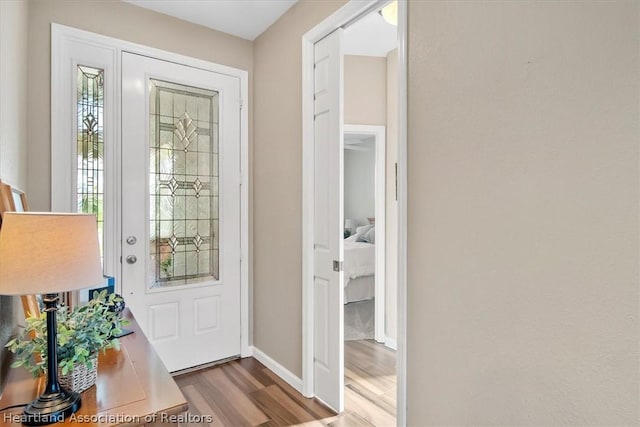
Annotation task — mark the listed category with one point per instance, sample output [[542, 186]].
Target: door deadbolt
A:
[[131, 259], [132, 240]]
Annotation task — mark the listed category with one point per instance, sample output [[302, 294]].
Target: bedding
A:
[[359, 269], [360, 289], [362, 233], [359, 259]]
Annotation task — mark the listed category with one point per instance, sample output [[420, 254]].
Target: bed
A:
[[359, 289], [359, 267]]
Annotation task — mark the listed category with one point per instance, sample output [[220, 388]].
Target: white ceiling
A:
[[370, 36], [242, 18]]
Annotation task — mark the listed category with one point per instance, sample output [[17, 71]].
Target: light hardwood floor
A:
[[370, 384], [245, 393]]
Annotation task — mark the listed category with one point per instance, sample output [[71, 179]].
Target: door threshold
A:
[[203, 366]]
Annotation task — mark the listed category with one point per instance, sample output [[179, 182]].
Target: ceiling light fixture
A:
[[390, 13]]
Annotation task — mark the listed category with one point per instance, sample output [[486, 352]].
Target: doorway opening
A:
[[325, 105], [370, 204], [365, 233], [369, 344]]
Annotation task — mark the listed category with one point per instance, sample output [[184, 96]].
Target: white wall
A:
[[360, 182], [523, 213]]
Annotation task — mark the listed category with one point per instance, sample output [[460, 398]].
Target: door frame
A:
[[380, 188], [350, 12], [70, 47]]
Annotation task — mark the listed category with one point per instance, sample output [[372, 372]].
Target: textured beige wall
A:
[[123, 21], [365, 93], [14, 36], [391, 211], [277, 182], [523, 213]]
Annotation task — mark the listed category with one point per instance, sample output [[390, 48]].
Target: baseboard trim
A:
[[391, 343], [277, 369]]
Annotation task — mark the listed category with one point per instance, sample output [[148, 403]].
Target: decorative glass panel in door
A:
[[90, 144], [183, 184]]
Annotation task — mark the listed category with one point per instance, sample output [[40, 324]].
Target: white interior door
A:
[[181, 208], [328, 295]]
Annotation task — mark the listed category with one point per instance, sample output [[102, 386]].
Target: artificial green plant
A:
[[82, 332]]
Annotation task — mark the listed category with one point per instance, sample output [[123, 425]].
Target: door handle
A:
[[131, 259]]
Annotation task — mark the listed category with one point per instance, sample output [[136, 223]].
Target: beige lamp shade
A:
[[48, 253]]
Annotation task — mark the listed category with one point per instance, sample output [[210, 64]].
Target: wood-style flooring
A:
[[370, 384], [245, 393]]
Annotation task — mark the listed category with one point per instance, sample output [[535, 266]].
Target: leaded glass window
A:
[[90, 144], [183, 184]]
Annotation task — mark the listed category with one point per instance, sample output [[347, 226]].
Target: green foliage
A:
[[165, 265], [81, 333]]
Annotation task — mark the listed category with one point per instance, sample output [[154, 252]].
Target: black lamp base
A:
[[51, 408], [56, 403]]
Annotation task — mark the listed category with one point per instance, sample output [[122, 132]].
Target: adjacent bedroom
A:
[[370, 217], [360, 237]]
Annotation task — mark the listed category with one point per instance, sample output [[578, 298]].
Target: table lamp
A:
[[350, 224], [47, 253]]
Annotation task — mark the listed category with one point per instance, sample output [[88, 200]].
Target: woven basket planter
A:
[[81, 378]]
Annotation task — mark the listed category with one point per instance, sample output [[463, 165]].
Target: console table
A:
[[133, 388]]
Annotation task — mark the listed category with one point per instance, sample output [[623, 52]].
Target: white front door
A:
[[328, 294], [181, 208]]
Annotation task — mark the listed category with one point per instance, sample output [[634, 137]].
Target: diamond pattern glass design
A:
[[183, 184], [90, 144]]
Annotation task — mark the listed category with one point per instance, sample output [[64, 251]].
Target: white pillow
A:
[[362, 231], [370, 236]]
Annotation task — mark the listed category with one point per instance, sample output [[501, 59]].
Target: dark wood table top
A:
[[133, 388]]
